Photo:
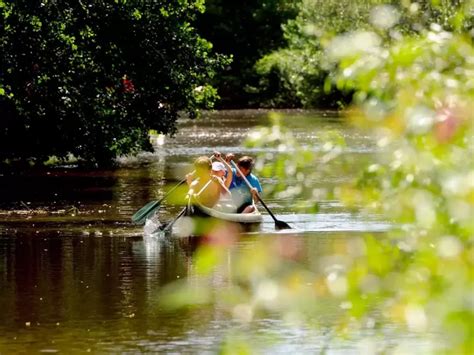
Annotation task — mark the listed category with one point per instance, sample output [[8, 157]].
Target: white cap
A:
[[218, 166]]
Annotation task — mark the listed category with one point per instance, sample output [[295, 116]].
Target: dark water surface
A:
[[77, 276]]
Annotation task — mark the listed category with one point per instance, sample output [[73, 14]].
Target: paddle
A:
[[167, 226], [141, 215], [278, 224]]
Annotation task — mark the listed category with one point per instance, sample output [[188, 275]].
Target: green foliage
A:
[[91, 79], [415, 96], [290, 164], [302, 67], [246, 33]]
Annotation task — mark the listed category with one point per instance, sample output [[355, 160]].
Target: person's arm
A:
[[230, 174], [255, 183], [229, 157], [228, 178], [191, 187], [256, 188], [222, 187], [189, 178]]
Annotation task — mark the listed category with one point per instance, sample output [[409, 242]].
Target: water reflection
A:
[[81, 202], [76, 275], [103, 294]]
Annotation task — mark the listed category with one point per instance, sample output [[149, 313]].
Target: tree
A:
[[90, 79], [301, 65], [246, 32]]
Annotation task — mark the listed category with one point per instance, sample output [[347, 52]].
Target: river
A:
[[77, 276]]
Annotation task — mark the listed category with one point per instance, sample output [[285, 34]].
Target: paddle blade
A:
[[281, 225], [141, 215], [167, 226]]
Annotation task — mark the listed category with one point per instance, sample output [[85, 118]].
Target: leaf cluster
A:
[[246, 33], [89, 79], [302, 66], [415, 96]]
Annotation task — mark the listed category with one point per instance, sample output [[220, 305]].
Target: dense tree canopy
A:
[[91, 78], [246, 31]]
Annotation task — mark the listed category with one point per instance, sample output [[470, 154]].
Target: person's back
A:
[[207, 191], [223, 175], [241, 195]]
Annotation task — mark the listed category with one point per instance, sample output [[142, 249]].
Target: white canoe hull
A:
[[247, 218]]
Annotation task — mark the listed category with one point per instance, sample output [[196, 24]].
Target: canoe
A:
[[245, 218], [194, 209]]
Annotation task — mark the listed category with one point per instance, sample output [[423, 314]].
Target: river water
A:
[[77, 276]]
